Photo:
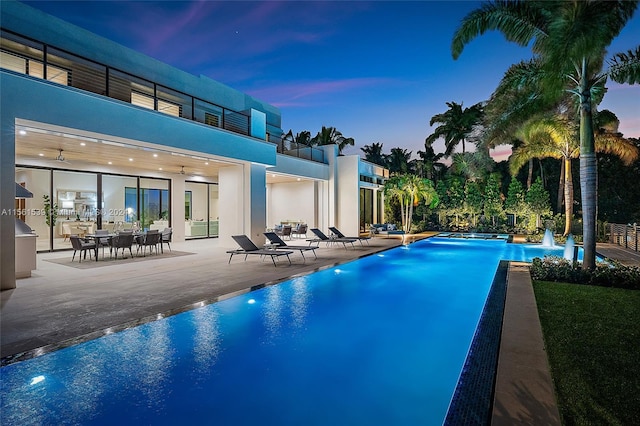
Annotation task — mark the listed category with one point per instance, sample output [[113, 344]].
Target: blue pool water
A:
[[378, 341]]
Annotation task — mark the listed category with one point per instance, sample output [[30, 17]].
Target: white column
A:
[[331, 152], [243, 203], [7, 204], [177, 208]]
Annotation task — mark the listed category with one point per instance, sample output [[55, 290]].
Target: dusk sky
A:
[[377, 71]]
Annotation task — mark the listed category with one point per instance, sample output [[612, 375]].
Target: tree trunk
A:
[[530, 176], [560, 199], [568, 196], [588, 172]]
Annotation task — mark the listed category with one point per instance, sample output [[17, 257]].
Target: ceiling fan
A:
[[60, 157]]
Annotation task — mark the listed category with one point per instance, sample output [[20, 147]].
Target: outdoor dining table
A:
[[96, 238]]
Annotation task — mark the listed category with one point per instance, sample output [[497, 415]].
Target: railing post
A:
[[626, 233]]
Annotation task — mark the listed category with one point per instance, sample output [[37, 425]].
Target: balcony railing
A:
[[624, 235], [298, 150], [36, 59], [23, 55]]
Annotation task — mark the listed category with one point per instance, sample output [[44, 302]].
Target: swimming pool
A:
[[381, 340]]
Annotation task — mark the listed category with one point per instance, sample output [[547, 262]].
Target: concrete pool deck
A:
[[60, 303]]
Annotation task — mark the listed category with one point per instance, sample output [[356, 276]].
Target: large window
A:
[[366, 208], [76, 198], [201, 210], [149, 205]]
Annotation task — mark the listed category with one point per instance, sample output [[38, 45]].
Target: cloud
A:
[[301, 93]]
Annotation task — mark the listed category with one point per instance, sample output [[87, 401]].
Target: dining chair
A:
[[166, 238], [102, 242], [149, 239], [123, 240], [82, 246]]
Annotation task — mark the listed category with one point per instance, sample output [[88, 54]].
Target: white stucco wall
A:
[[348, 194], [291, 201]]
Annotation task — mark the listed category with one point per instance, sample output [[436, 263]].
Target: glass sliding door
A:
[[154, 203], [366, 208], [76, 198], [196, 224], [119, 201]]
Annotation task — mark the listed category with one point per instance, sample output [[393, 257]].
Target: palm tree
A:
[[472, 166], [373, 153], [431, 167], [398, 160], [456, 125], [331, 135], [556, 137], [289, 141], [570, 39], [409, 190]]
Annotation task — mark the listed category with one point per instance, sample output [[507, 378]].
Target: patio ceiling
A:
[[49, 146]]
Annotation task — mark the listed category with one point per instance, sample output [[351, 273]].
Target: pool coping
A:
[[524, 392]]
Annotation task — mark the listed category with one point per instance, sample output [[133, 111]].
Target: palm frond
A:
[[625, 67], [519, 21]]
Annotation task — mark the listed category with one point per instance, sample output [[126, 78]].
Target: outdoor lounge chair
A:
[[247, 247], [335, 231], [279, 244], [320, 236]]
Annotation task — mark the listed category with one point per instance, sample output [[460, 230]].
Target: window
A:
[[77, 72], [211, 119], [208, 113], [140, 99], [188, 202], [174, 103]]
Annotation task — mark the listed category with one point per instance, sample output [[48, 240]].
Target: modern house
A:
[[106, 137]]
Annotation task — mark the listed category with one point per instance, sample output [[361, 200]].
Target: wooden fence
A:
[[624, 235]]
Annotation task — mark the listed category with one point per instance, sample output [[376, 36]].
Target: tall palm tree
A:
[[373, 153], [290, 141], [556, 137], [431, 166], [570, 39], [456, 125], [331, 135], [398, 161]]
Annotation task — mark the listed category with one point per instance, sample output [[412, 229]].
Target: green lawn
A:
[[592, 335]]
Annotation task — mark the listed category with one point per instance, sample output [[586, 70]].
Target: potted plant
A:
[[50, 211]]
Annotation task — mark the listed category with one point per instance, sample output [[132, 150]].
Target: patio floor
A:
[[59, 302]]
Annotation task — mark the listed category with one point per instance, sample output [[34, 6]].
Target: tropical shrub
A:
[[605, 274]]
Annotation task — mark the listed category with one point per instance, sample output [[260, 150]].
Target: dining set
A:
[[121, 241]]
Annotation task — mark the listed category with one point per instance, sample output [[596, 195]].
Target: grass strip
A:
[[592, 337]]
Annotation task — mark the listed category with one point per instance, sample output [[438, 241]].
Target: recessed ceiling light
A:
[[41, 155], [82, 144], [22, 132], [298, 179], [272, 175], [155, 155], [206, 163], [130, 159], [110, 162], [160, 168]]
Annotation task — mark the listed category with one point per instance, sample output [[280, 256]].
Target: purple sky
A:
[[377, 71]]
